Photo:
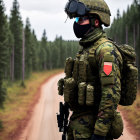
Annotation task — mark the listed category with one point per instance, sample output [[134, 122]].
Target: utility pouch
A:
[[90, 95], [69, 67], [83, 69], [82, 93], [116, 126], [60, 85], [69, 90], [75, 69]]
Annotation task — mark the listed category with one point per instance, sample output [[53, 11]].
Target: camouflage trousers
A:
[[82, 128]]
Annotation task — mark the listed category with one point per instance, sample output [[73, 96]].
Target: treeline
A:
[[21, 52], [125, 28]]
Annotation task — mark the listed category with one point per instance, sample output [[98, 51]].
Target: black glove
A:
[[97, 137]]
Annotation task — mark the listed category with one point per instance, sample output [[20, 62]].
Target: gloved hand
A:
[[97, 137]]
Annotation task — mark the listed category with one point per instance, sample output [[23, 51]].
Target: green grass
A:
[[19, 100]]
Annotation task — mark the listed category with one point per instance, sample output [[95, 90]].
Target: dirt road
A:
[[43, 124]]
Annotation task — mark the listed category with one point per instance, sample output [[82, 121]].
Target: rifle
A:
[[62, 119]]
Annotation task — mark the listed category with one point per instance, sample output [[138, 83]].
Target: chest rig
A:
[[81, 85]]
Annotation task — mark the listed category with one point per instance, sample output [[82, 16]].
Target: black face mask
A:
[[80, 30]]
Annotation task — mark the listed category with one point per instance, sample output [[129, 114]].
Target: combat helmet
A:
[[100, 8]]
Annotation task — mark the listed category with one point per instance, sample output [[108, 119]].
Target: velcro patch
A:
[[107, 67]]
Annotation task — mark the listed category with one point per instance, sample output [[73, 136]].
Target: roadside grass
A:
[[18, 102], [132, 113]]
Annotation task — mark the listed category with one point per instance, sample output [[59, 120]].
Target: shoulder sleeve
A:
[[109, 61]]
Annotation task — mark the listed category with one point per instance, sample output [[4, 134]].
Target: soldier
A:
[[92, 84]]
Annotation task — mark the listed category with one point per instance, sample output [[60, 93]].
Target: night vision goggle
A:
[[74, 8]]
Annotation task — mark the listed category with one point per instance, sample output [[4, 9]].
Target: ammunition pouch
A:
[[82, 93], [85, 94], [90, 95], [69, 67], [60, 85], [75, 86], [76, 69], [83, 70], [70, 89]]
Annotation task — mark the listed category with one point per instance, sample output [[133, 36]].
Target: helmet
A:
[[100, 8]]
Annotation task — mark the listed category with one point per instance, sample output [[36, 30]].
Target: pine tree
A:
[[10, 44], [3, 50], [28, 48], [118, 14], [43, 51], [16, 29], [35, 52], [23, 58]]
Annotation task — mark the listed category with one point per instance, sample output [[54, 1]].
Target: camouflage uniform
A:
[[103, 66], [97, 119]]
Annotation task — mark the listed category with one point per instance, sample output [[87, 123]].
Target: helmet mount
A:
[[79, 8]]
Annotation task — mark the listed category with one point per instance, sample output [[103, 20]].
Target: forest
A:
[[21, 53]]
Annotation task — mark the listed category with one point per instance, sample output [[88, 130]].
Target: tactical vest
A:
[[82, 84]]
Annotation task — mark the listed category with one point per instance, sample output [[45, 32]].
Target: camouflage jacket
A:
[[109, 63]]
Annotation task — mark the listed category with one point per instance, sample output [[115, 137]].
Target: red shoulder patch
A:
[[107, 67]]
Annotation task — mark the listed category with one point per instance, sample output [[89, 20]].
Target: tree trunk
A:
[[134, 36], [134, 39], [126, 28], [138, 31], [45, 67], [115, 38], [12, 64], [23, 55]]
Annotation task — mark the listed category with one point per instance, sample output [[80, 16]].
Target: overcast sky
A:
[[50, 15]]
